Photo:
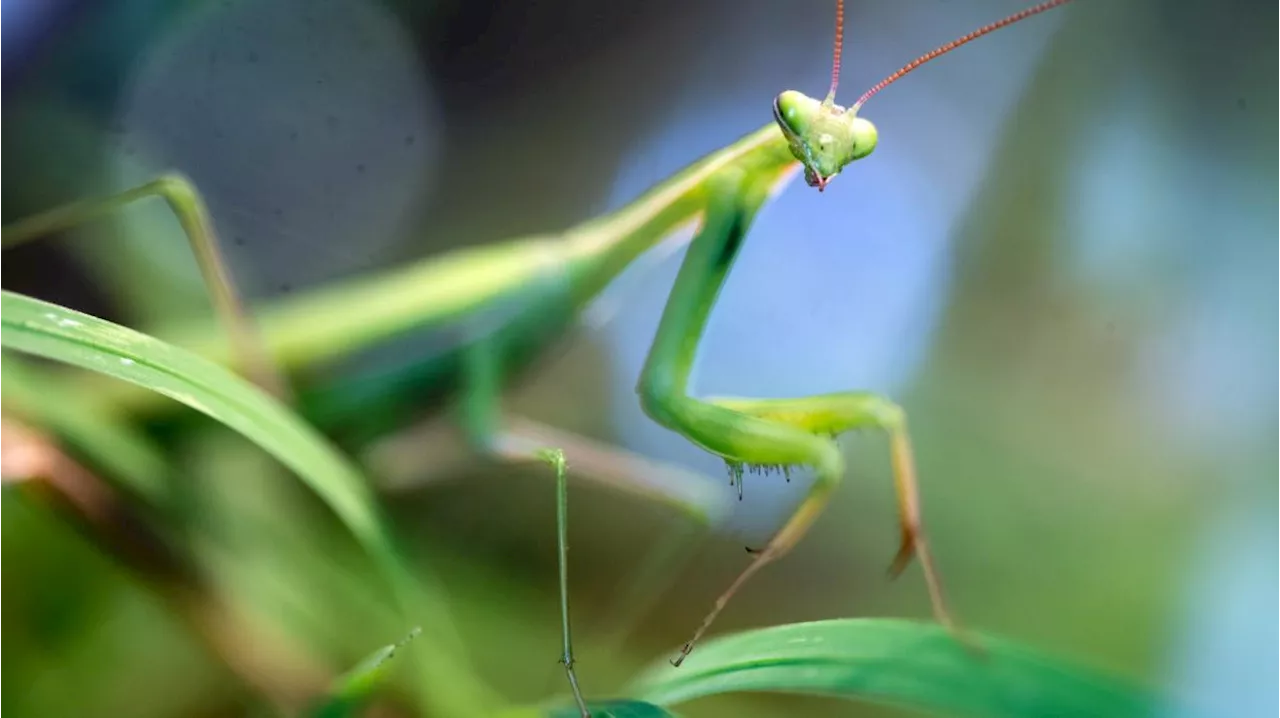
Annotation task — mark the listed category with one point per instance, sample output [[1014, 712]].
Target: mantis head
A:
[[823, 136]]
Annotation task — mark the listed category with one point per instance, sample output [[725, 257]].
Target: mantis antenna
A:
[[835, 54], [934, 53]]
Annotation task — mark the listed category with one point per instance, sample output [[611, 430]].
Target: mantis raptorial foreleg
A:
[[739, 436], [187, 205], [767, 432], [833, 415]]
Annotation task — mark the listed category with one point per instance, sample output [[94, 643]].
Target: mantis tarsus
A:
[[507, 293]]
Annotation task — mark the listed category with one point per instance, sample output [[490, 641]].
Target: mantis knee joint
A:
[[657, 399], [176, 187]]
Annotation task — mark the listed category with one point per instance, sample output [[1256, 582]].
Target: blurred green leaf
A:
[[55, 332], [128, 456], [895, 662]]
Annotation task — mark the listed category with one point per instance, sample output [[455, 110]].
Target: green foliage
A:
[[113, 444]]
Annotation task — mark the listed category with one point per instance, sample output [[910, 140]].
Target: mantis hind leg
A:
[[184, 200]]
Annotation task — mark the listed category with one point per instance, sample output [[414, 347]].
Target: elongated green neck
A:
[[600, 250]]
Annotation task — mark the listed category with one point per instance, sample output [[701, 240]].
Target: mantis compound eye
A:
[[823, 136], [794, 112]]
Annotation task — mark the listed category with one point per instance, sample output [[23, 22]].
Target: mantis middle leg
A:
[[512, 439]]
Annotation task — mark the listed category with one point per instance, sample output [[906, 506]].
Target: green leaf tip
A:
[[352, 690]]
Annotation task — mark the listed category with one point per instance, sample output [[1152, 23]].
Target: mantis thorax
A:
[[823, 136]]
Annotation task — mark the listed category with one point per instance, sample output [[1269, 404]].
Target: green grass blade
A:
[[895, 662], [55, 332], [353, 690]]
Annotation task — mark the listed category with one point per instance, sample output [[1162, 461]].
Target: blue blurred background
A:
[[1058, 260]]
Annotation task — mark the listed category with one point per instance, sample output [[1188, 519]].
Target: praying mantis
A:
[[514, 297]]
